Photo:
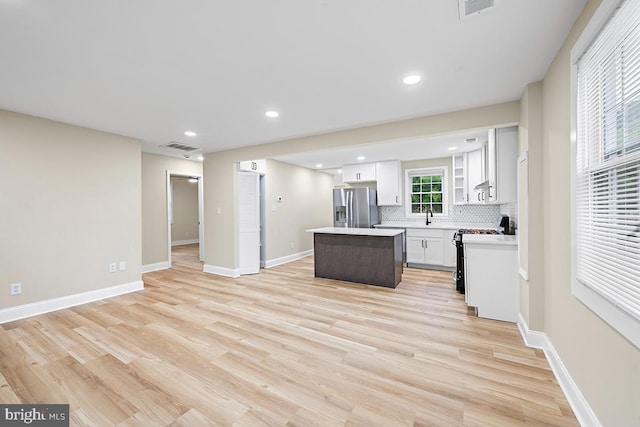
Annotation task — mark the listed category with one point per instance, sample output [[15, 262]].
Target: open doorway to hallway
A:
[[184, 215], [186, 257]]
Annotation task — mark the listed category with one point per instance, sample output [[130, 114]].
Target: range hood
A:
[[482, 185]]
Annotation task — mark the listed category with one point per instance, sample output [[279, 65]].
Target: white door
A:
[[249, 222]]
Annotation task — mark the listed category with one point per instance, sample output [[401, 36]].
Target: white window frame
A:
[[620, 320], [445, 190]]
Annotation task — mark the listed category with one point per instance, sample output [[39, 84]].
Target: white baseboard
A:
[[231, 272], [148, 268], [27, 310], [221, 271], [185, 242], [289, 258], [580, 406]]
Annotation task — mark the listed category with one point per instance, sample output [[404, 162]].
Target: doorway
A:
[[190, 221]]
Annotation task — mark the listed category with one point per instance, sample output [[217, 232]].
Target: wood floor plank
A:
[[282, 348]]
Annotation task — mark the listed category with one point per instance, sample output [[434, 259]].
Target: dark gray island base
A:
[[368, 256]]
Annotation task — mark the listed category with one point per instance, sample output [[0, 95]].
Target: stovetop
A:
[[477, 231]]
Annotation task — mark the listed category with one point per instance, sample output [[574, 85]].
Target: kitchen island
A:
[[362, 255]]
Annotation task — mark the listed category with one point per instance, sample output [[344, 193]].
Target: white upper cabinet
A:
[[492, 169], [359, 173], [259, 166], [503, 189], [389, 177], [476, 175]]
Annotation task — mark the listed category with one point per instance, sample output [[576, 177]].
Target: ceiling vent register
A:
[[469, 8], [178, 146]]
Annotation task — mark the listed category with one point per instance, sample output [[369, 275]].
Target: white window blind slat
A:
[[607, 189]]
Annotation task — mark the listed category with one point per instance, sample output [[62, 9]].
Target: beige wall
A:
[[155, 238], [221, 228], [307, 201], [70, 207], [604, 365], [185, 210]]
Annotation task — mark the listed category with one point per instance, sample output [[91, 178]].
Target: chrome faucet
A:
[[429, 211]]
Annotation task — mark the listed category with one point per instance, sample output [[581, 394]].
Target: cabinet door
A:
[[507, 160], [350, 173], [367, 172], [259, 166], [433, 251], [415, 250], [389, 179], [475, 175], [491, 162]]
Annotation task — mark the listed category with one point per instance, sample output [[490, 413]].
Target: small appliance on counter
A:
[[504, 226], [355, 207]]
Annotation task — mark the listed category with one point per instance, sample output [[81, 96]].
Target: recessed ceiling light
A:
[[412, 79], [271, 114], [339, 170], [201, 158], [453, 148], [318, 165], [190, 133], [360, 157]]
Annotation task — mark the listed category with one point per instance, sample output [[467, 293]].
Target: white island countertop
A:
[[490, 239], [383, 232]]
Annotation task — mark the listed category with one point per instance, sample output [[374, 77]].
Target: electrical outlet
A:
[[112, 267], [123, 265], [291, 244], [16, 288]]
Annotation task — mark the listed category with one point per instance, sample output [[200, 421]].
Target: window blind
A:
[[608, 162]]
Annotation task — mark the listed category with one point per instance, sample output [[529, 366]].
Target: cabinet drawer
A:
[[424, 232]]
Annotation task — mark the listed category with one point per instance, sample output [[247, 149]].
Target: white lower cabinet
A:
[[425, 250], [491, 280], [425, 246]]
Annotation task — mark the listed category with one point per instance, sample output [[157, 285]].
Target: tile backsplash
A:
[[457, 213]]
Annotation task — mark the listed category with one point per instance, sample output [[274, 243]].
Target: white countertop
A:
[[490, 239], [384, 232], [436, 225]]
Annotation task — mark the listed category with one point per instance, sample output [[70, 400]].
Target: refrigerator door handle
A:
[[349, 208], [346, 206], [352, 213]]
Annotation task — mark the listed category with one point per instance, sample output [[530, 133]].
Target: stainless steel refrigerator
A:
[[355, 207]]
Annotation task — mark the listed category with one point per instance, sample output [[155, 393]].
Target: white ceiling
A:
[[152, 69]]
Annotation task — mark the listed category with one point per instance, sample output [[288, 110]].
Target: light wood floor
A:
[[279, 348]]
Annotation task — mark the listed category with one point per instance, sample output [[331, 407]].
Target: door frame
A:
[[169, 174]]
